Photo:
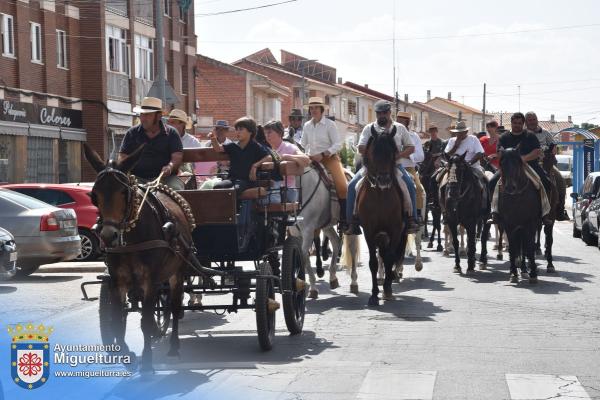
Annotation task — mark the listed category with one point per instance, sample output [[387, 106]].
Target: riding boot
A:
[[342, 220], [353, 227]]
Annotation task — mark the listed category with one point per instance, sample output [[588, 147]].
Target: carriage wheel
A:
[[293, 285], [107, 326], [265, 307], [162, 313]]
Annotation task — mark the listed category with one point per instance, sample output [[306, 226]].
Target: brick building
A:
[[90, 61]]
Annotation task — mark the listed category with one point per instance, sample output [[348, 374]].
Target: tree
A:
[[586, 126]]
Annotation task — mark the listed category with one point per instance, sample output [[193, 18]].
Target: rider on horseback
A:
[[530, 150], [547, 141], [384, 123], [322, 142]]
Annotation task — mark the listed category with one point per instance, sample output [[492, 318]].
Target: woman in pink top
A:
[[289, 152]]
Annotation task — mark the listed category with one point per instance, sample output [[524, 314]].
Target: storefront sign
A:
[[15, 111], [588, 157]]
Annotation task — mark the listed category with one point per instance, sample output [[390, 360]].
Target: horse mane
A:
[[511, 165]]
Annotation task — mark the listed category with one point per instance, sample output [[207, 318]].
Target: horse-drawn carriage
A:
[[230, 228]]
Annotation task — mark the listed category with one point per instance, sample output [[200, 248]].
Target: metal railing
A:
[[117, 86]]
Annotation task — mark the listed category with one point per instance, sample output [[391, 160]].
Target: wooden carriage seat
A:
[[214, 206]]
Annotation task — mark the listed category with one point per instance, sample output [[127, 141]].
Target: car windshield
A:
[[563, 166], [22, 200]]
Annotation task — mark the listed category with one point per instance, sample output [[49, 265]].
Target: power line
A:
[[244, 9]]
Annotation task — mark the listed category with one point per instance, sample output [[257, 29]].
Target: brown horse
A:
[[427, 170], [147, 245], [548, 163], [379, 207]]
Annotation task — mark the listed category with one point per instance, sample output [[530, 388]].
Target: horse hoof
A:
[[533, 280], [430, 246], [380, 281], [482, 266], [388, 296], [457, 270], [419, 266], [500, 257], [313, 294], [446, 253], [440, 247], [495, 247], [470, 271], [550, 269], [514, 278], [538, 252], [354, 289], [320, 272], [373, 301], [334, 284], [525, 275]]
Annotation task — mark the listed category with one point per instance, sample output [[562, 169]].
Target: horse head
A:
[[114, 193], [511, 168], [380, 158], [549, 159], [459, 173]]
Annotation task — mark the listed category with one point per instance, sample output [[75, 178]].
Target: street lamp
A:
[[303, 99]]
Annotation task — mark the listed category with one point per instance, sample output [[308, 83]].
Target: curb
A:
[[74, 268]]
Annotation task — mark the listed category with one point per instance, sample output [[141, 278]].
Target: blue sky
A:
[[558, 70]]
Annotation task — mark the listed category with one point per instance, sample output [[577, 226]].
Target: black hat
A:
[[383, 106], [296, 112]]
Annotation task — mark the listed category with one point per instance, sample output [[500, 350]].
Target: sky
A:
[[548, 48]]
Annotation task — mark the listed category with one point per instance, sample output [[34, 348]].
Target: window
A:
[[182, 14], [61, 48], [167, 5], [184, 80], [144, 58], [8, 35], [36, 42], [117, 50], [50, 196]]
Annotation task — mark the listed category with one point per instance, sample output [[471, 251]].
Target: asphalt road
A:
[[444, 336]]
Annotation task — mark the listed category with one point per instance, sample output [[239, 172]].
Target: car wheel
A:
[[26, 270], [586, 234], [89, 246], [576, 232]]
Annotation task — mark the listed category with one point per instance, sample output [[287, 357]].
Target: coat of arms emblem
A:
[[30, 354]]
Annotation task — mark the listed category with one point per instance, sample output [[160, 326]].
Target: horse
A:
[[548, 163], [148, 241], [462, 203], [427, 171], [315, 216], [520, 213], [384, 227]]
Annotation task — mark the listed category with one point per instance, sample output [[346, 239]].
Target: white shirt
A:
[[418, 155], [471, 146], [190, 142], [402, 137], [321, 137]]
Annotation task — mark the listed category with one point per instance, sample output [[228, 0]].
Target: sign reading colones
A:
[[15, 111]]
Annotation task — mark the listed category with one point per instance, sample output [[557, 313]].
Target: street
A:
[[444, 336]]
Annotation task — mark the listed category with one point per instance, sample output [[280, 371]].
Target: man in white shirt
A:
[[179, 120], [384, 123], [410, 164], [321, 142]]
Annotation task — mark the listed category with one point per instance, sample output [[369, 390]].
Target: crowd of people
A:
[[317, 140]]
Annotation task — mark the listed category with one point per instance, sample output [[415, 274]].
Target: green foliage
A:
[[347, 157]]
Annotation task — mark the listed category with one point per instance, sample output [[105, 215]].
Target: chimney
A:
[[428, 95], [449, 95], [339, 80], [552, 118], [366, 85], [406, 97], [570, 119]]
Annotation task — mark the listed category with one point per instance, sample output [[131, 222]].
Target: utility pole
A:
[[394, 53], [483, 119], [160, 57]]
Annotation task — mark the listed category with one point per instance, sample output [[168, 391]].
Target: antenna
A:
[[394, 52]]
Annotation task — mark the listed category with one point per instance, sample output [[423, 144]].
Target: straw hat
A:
[[181, 116], [149, 105], [461, 126], [316, 101], [403, 114]]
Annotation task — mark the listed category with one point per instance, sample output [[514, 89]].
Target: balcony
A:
[[142, 87], [118, 86]]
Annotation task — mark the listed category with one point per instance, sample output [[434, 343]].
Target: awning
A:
[[13, 128], [52, 132], [73, 134]]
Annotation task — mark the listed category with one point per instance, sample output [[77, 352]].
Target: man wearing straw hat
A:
[[322, 142], [410, 163], [179, 120], [163, 151]]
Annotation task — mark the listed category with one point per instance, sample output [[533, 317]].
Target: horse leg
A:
[[437, 224], [447, 241], [319, 262], [512, 255], [530, 254], [325, 252], [548, 231], [538, 239], [463, 250], [483, 260], [313, 292], [333, 237], [149, 325], [388, 261], [471, 243], [351, 246], [454, 234], [497, 238], [500, 255], [380, 270], [418, 261], [176, 285], [373, 266]]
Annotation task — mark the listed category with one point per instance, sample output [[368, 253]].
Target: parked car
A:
[[43, 233], [583, 198], [75, 196], [565, 166], [591, 225], [8, 255]]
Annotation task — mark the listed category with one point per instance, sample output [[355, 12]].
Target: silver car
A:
[[43, 233], [8, 255]]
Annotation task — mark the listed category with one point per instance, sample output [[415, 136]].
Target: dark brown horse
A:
[[519, 208], [461, 197], [145, 250], [379, 207], [427, 170], [548, 163]]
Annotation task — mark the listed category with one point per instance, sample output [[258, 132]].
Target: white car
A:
[[565, 166]]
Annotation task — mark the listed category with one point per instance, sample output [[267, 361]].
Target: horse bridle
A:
[[374, 180]]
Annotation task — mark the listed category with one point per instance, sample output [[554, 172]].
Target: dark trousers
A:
[[238, 184]]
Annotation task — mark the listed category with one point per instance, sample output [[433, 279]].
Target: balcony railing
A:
[[118, 86]]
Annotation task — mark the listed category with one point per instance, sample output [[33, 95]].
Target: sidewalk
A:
[[69, 266]]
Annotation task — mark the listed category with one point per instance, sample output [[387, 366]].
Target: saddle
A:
[[323, 174]]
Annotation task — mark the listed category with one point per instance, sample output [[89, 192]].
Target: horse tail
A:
[[382, 240], [350, 251]]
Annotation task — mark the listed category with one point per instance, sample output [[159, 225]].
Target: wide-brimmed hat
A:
[[316, 101], [181, 116], [296, 112], [461, 126], [432, 126], [221, 123], [149, 105], [404, 114]]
